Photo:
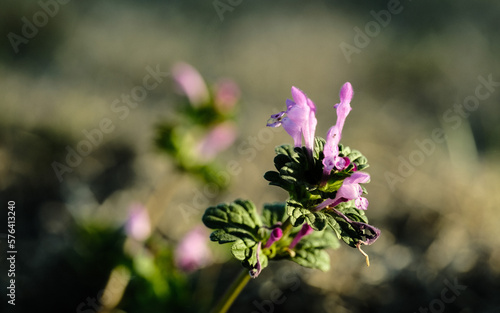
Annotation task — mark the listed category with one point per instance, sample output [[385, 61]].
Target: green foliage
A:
[[189, 125], [233, 221], [206, 114], [355, 156], [177, 141], [247, 252], [298, 215], [274, 214], [237, 223], [301, 174], [310, 251], [350, 234], [298, 172]]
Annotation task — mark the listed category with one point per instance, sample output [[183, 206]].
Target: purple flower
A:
[[332, 159], [191, 83], [276, 234], [138, 225], [218, 139], [300, 119], [350, 190], [192, 252], [304, 231]]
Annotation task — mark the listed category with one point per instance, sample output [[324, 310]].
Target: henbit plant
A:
[[323, 179]]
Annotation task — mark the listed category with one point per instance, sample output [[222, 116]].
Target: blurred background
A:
[[421, 71]]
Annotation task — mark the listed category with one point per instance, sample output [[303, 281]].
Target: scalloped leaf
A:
[[315, 258], [274, 213], [246, 251], [354, 231], [298, 215], [233, 220], [310, 250]]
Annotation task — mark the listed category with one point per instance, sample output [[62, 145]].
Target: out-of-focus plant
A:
[[323, 179], [203, 125], [150, 273], [157, 268]]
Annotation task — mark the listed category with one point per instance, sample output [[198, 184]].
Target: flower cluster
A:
[[203, 125], [324, 180]]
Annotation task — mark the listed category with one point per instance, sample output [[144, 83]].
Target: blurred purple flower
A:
[[304, 231], [227, 93], [276, 234], [138, 225], [192, 252], [191, 83], [350, 190], [332, 159], [300, 119], [218, 139]]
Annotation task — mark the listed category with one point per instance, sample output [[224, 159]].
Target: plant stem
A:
[[287, 228], [232, 293], [234, 290]]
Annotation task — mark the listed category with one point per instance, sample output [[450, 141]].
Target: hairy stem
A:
[[232, 293]]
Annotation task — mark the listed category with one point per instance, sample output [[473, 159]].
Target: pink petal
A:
[[218, 139], [276, 235], [227, 93], [289, 104], [192, 252], [304, 231], [138, 225], [311, 105], [348, 191], [310, 130], [191, 83], [346, 92], [358, 178], [361, 203], [299, 97], [293, 130]]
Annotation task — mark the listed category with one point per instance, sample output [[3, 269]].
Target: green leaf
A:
[[243, 249], [319, 145], [238, 219], [318, 240], [310, 251], [287, 150], [280, 160], [315, 258], [334, 225], [238, 222], [273, 214], [343, 229], [246, 251], [298, 215], [222, 236]]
